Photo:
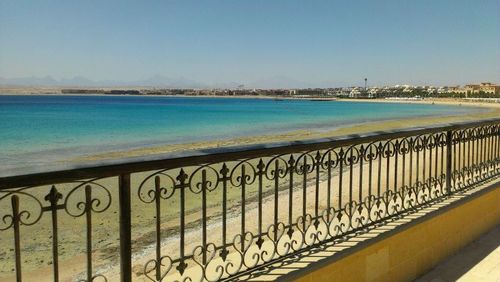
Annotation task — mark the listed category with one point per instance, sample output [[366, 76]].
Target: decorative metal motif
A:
[[27, 210]]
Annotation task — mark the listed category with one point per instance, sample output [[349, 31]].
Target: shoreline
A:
[[304, 134], [92, 155], [429, 100], [433, 101]]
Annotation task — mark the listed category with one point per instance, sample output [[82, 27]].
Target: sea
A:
[[37, 130]]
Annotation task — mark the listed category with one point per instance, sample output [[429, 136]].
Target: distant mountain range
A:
[[154, 81], [80, 81]]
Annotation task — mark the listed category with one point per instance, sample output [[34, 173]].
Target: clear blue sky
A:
[[323, 43]]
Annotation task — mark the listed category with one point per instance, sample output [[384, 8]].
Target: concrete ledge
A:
[[405, 251]]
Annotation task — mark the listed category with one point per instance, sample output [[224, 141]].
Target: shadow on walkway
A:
[[478, 261]]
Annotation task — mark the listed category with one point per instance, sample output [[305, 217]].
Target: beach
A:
[[246, 140], [57, 131], [72, 256], [364, 127]]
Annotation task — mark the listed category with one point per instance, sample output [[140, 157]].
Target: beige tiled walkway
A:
[[478, 262]]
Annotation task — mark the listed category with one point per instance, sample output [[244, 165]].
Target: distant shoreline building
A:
[[483, 87], [489, 88]]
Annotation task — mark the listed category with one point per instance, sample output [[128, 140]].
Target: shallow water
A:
[[39, 129]]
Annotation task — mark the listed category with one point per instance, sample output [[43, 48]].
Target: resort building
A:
[[483, 87], [355, 93], [373, 92], [489, 88], [457, 90], [442, 90], [471, 88]]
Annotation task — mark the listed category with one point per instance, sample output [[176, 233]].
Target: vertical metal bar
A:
[[387, 167], [370, 172], [473, 156], [351, 164], [462, 141], [442, 165], [496, 145], [480, 150], [424, 159], [448, 161], [486, 146], [329, 188], [260, 173], [341, 167], [430, 162], [291, 165], [454, 162], [125, 228], [468, 156], [243, 186], [379, 169], [477, 153], [488, 154], [53, 197], [491, 148], [158, 227], [436, 156], [485, 149], [396, 149], [316, 196], [411, 143], [182, 186], [464, 159], [224, 171], [276, 186], [403, 174], [17, 243], [417, 165], [361, 157], [204, 214], [88, 215], [304, 194]]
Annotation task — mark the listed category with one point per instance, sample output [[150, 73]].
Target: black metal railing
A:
[[223, 213]]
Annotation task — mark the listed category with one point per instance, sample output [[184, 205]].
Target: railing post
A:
[[125, 228], [449, 136], [17, 240]]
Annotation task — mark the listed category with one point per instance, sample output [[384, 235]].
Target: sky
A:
[[255, 43]]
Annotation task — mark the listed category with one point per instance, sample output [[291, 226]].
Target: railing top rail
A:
[[189, 158]]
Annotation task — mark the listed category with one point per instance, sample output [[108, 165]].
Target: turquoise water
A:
[[56, 126]]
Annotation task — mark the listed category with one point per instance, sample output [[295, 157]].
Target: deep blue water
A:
[[31, 126]]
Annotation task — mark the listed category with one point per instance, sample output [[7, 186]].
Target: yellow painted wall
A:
[[408, 254]]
